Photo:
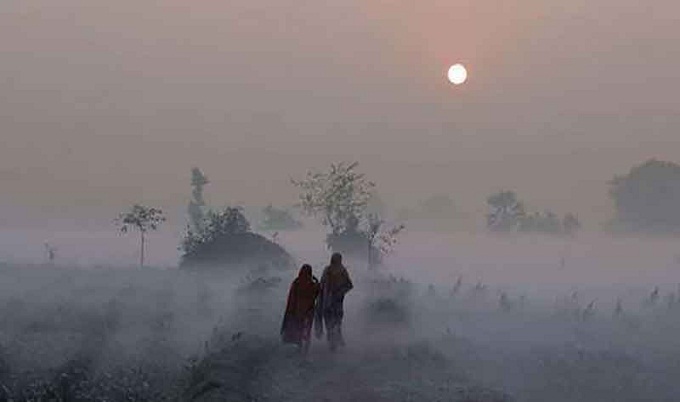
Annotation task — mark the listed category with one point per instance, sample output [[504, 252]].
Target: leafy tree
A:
[[278, 219], [142, 218], [337, 195], [341, 198], [647, 198], [215, 225], [506, 211], [230, 220], [197, 203]]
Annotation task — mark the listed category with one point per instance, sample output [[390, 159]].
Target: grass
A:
[[166, 335]]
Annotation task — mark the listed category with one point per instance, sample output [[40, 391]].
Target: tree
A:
[[508, 215], [506, 211], [336, 196], [341, 197], [380, 239], [197, 203], [647, 198], [142, 218], [215, 225]]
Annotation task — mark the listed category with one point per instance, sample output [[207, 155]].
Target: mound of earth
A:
[[249, 368], [236, 249]]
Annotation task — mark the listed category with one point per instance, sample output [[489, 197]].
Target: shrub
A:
[[225, 238]]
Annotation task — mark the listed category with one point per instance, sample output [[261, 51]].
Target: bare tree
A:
[[380, 238], [142, 218]]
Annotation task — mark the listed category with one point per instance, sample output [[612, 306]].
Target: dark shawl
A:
[[335, 283], [297, 320]]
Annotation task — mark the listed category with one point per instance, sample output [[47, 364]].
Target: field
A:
[[521, 325]]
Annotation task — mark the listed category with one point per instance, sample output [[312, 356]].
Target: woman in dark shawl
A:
[[297, 321], [335, 283]]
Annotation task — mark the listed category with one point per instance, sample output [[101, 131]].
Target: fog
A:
[[105, 105], [159, 332], [591, 259]]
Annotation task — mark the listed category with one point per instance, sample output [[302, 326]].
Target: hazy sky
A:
[[107, 103]]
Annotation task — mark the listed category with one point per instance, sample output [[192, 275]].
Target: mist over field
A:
[[591, 259], [159, 333]]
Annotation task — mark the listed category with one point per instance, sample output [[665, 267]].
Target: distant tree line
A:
[[508, 214], [647, 199]]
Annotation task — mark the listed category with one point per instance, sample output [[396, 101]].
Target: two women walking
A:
[[311, 302]]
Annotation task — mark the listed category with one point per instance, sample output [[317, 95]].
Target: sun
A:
[[457, 74]]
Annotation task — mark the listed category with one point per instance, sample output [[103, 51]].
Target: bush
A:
[[225, 239]]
